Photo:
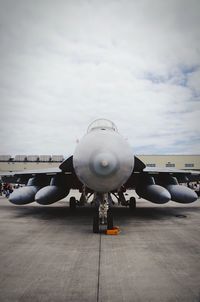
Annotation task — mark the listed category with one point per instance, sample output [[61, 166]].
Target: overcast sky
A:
[[65, 63]]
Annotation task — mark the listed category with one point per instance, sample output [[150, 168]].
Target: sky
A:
[[66, 63]]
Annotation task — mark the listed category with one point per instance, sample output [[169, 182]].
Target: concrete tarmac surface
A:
[[48, 253]]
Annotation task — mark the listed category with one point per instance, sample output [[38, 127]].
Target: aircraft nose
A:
[[104, 164]]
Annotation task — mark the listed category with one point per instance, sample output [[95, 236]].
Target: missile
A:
[[147, 189], [26, 194], [50, 194]]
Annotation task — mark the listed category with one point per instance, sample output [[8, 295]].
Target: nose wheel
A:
[[96, 222], [103, 213], [109, 220], [72, 203], [132, 203]]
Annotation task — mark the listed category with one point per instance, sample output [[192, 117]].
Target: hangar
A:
[[31, 162]]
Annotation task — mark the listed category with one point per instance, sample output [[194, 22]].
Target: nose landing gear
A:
[[96, 221], [103, 213]]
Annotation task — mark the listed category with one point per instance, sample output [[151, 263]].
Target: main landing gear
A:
[[72, 203], [132, 203]]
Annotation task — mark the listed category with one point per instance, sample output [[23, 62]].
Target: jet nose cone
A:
[[104, 164]]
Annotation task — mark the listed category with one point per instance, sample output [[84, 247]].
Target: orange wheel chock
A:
[[114, 231]]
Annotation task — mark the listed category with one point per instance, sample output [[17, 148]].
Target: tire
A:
[[132, 203], [96, 222], [109, 220], [72, 203], [82, 200]]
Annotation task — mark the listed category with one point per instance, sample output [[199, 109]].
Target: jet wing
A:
[[169, 170], [65, 169], [23, 176], [181, 175], [46, 171]]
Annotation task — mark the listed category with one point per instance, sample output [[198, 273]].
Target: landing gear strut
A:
[[103, 213]]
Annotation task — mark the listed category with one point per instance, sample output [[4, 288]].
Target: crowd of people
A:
[[194, 186], [5, 189]]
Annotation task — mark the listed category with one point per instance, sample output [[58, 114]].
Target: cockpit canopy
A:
[[102, 124]]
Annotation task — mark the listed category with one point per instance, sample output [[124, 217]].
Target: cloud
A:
[[64, 64]]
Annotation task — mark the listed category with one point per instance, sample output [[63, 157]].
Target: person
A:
[[7, 189], [4, 188]]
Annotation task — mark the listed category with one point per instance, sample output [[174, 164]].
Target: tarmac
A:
[[48, 253]]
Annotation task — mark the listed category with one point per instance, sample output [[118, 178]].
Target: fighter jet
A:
[[103, 165]]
